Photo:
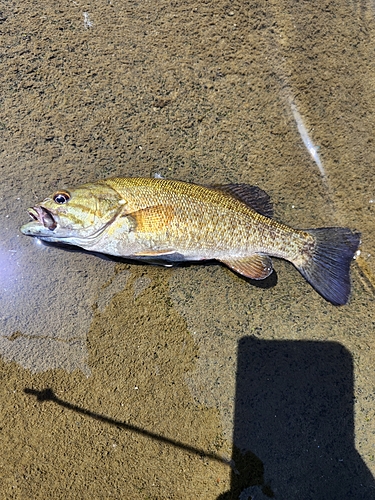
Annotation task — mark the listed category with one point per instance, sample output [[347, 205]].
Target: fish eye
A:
[[61, 197]]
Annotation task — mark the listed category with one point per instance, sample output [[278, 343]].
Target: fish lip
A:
[[43, 216]]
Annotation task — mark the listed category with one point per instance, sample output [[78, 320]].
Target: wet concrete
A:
[[134, 381]]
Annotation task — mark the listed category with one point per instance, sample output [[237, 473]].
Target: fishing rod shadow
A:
[[294, 424], [48, 395]]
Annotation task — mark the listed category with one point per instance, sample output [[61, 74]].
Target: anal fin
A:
[[256, 267]]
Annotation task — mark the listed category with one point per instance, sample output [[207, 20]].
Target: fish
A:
[[171, 221]]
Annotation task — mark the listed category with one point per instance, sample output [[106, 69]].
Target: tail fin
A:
[[327, 267]]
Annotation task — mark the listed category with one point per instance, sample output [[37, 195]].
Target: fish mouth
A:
[[43, 216]]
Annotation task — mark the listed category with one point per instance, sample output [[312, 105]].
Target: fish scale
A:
[[210, 217]]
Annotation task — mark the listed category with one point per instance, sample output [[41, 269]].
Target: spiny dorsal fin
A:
[[257, 267], [253, 196]]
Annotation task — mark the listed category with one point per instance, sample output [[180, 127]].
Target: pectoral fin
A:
[[166, 257], [257, 267], [152, 219], [153, 253]]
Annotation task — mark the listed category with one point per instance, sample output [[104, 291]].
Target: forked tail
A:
[[328, 265]]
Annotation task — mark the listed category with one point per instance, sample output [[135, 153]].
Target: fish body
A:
[[173, 221]]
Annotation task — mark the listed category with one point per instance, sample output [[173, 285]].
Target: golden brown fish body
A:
[[173, 221]]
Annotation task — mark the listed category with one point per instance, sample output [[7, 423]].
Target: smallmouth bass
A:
[[173, 221]]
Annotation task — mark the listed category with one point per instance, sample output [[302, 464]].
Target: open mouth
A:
[[43, 216]]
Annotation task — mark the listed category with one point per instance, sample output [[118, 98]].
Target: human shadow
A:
[[294, 424]]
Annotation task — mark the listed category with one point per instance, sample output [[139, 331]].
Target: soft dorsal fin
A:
[[257, 267], [253, 196]]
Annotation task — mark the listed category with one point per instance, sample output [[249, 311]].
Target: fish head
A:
[[75, 215]]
